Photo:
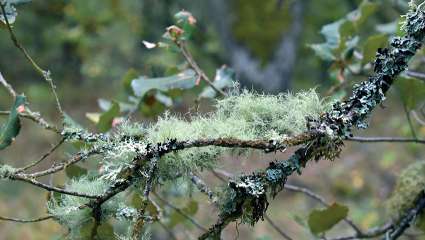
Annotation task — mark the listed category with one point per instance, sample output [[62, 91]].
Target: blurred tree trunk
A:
[[277, 74]]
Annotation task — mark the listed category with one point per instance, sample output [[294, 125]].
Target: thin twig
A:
[[275, 227], [385, 139], [320, 199], [56, 146], [8, 87], [417, 118], [179, 211], [189, 58], [22, 178], [417, 75], [45, 74], [18, 220], [371, 233], [54, 169], [202, 187], [407, 114], [167, 229]]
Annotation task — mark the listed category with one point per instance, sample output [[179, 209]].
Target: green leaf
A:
[[371, 46], [347, 30], [74, 171], [128, 78], [224, 78], [388, 28], [359, 16], [331, 33], [105, 105], [70, 123], [137, 201], [321, 220], [264, 237], [332, 41], [412, 91], [183, 80], [190, 209], [186, 21], [340, 39], [323, 50], [11, 128], [105, 231], [106, 118], [164, 99]]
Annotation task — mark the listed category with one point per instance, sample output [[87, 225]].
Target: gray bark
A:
[[277, 74]]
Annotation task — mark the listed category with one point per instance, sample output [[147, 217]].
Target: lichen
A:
[[6, 171], [246, 116], [67, 209], [410, 184]]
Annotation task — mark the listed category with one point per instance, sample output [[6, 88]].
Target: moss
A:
[[409, 184]]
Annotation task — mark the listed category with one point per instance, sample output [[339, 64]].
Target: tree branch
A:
[[385, 140]]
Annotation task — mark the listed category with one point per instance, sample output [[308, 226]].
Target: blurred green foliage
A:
[[95, 51]]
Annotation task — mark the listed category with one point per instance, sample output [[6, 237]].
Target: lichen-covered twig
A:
[[138, 225], [308, 193], [22, 178], [407, 220], [247, 195]]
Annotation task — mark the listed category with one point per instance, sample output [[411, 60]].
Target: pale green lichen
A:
[[410, 184], [244, 116], [66, 208], [6, 171]]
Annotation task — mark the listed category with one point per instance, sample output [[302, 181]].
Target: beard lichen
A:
[[67, 209], [244, 116]]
